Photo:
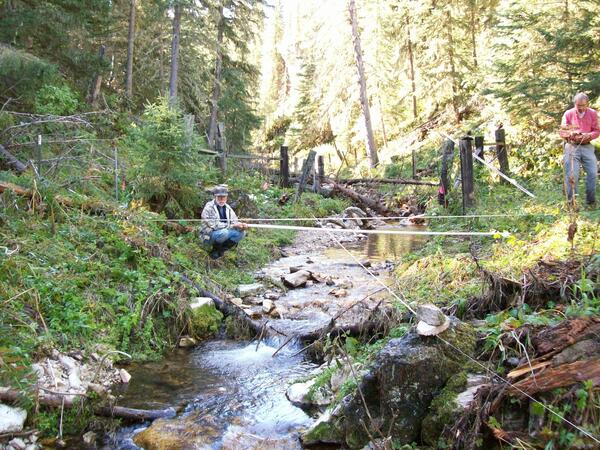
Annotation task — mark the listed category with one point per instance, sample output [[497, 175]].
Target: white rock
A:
[[245, 290], [431, 314], [474, 383], [18, 443], [74, 379], [187, 341], [67, 362], [125, 376], [89, 438], [11, 419], [32, 447], [237, 301], [272, 295], [199, 302], [298, 393], [267, 306]]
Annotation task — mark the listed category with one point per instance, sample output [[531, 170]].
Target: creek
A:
[[232, 393]]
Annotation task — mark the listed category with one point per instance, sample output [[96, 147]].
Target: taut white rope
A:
[[381, 231], [490, 167]]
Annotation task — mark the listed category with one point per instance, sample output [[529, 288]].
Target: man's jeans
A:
[[224, 234], [575, 157]]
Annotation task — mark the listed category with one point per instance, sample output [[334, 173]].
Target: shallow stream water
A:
[[233, 393]]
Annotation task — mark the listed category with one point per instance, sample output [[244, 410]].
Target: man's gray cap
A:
[[221, 190]]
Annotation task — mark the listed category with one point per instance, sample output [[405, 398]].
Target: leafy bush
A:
[[57, 100]]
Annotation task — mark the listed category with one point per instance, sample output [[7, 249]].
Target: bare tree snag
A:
[[130, 43], [97, 83], [216, 92], [175, 53], [364, 99]]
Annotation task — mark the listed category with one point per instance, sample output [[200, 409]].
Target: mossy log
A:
[[69, 401]]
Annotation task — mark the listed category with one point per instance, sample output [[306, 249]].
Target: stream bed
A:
[[231, 394]]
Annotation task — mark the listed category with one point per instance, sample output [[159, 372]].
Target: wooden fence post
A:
[[309, 163], [466, 172], [39, 156], [501, 152], [284, 167], [479, 146], [447, 158], [321, 168], [316, 179]]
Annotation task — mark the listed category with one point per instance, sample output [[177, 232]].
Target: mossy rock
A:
[[205, 321], [326, 430], [443, 409]]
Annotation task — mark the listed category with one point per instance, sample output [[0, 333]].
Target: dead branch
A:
[[12, 161]]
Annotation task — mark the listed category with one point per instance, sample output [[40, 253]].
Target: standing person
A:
[[578, 128], [220, 225]]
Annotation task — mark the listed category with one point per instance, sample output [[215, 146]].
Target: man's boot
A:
[[229, 244], [217, 251]]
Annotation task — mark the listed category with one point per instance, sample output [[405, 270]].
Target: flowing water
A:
[[232, 393]]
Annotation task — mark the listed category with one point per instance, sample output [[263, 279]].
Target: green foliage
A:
[[56, 100], [546, 54], [205, 321], [167, 169], [22, 74]]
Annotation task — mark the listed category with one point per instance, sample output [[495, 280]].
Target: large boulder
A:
[[396, 392], [177, 434]]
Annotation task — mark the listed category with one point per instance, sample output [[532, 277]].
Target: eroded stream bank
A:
[[232, 394]]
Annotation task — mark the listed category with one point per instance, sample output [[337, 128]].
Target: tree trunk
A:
[[453, 74], [175, 54], [411, 62], [473, 31], [216, 92], [130, 42], [364, 99], [97, 83]]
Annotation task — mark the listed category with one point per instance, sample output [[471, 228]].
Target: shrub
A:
[[56, 100], [166, 168]]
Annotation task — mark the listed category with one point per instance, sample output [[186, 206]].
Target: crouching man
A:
[[220, 225]]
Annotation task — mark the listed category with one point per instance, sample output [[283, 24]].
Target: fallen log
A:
[[11, 161], [366, 202], [69, 401], [350, 181], [556, 377], [565, 334]]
